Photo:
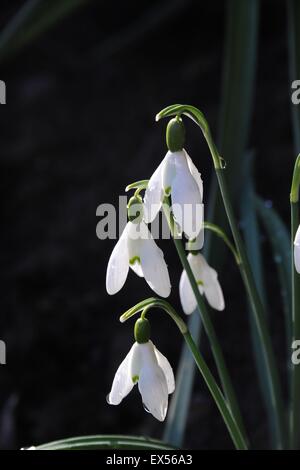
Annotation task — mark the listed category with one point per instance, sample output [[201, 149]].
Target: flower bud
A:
[[135, 209], [175, 134], [142, 330]]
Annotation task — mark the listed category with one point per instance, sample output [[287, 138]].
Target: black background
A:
[[79, 126]]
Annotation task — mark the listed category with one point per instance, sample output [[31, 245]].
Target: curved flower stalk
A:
[[208, 284], [178, 177], [145, 365], [137, 249]]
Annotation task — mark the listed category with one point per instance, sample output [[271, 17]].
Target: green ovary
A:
[[135, 259]]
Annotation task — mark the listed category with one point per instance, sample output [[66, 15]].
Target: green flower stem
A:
[[256, 305], [227, 415], [207, 323], [295, 369]]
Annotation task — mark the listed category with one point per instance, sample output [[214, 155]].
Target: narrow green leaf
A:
[[250, 228], [294, 62], [280, 242], [105, 442], [33, 18]]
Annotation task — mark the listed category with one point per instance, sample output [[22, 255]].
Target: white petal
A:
[[134, 234], [122, 383], [297, 257], [195, 262], [187, 298], [186, 199], [168, 171], [154, 267], [153, 194], [136, 362], [167, 370], [212, 289], [118, 265], [153, 384], [297, 250], [194, 171]]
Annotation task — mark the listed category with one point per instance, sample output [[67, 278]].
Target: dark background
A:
[[79, 126]]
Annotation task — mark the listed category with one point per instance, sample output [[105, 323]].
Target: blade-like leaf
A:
[[280, 242], [104, 442], [294, 59], [34, 18], [250, 228]]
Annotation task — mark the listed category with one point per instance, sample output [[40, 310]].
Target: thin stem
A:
[[295, 369], [207, 323], [226, 412]]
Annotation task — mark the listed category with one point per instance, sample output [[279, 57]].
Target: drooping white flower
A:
[[297, 250], [208, 283], [177, 176], [145, 365], [137, 249]]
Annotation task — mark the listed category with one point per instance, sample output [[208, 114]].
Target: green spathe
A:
[[175, 134], [142, 330]]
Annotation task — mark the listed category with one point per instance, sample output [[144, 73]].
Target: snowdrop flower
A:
[[208, 283], [176, 176], [137, 249], [297, 250], [147, 367]]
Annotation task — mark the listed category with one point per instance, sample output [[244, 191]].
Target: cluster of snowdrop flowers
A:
[[178, 180]]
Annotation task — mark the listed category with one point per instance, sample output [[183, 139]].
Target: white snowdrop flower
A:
[[297, 250], [207, 280], [137, 249], [147, 367], [178, 177]]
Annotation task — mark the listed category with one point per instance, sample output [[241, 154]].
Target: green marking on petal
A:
[[200, 283], [135, 379], [168, 191], [135, 259]]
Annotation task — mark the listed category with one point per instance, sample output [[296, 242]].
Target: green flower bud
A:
[[135, 209], [142, 330], [175, 134]]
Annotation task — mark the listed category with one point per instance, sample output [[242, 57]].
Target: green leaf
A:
[[280, 242], [294, 59], [105, 442], [33, 18], [250, 228]]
